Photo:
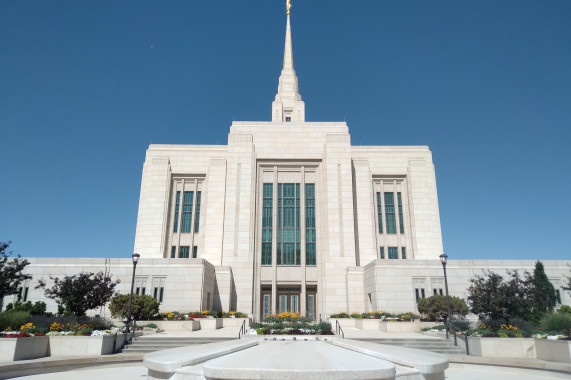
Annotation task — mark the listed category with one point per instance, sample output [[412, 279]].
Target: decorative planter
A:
[[502, 347], [120, 340], [553, 350], [81, 345], [177, 326], [235, 322], [402, 326], [367, 324], [210, 323], [24, 348], [343, 322]]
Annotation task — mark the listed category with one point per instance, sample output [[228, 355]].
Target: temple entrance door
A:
[[266, 302], [310, 302], [288, 300]]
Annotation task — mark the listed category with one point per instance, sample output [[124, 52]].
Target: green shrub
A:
[[461, 324], [524, 326], [324, 326], [143, 306], [12, 320], [38, 308], [564, 309], [436, 307], [560, 322]]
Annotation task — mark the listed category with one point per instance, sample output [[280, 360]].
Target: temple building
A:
[[288, 216]]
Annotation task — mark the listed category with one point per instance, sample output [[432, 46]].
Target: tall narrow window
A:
[[401, 219], [173, 252], [268, 192], [183, 252], [187, 211], [382, 252], [403, 253], [197, 216], [176, 211], [379, 213], [289, 236], [310, 224], [194, 252], [390, 213], [393, 253], [158, 288]]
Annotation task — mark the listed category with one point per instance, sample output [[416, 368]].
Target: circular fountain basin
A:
[[295, 360]]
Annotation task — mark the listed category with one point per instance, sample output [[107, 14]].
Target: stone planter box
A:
[[211, 323], [177, 326], [82, 345], [402, 327], [367, 324], [502, 347], [120, 340], [24, 348], [553, 350], [343, 322], [235, 322]]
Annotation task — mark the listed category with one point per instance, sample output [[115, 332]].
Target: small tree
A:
[[81, 292], [143, 307], [436, 309], [11, 276], [492, 297], [542, 294], [568, 285]]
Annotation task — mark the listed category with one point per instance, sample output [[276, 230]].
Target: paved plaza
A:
[[455, 372]]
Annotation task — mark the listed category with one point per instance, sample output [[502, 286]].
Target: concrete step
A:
[[145, 344], [440, 346]]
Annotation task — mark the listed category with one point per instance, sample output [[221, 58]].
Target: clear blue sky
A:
[[86, 86]]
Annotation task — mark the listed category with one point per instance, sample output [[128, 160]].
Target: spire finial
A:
[[288, 105]]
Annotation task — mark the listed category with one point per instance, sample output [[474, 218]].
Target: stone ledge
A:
[[424, 361], [170, 360], [60, 364], [511, 362]]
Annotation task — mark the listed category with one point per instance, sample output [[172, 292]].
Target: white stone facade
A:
[[207, 214]]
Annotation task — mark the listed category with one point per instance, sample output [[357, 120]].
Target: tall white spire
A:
[[288, 106]]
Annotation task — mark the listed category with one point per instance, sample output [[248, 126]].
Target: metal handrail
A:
[[454, 333], [242, 329], [338, 329]]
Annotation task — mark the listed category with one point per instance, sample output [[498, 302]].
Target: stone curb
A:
[[59, 364], [509, 362]]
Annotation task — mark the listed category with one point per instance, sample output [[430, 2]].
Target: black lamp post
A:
[[135, 257], [444, 260]]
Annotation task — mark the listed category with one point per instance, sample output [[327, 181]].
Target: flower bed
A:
[[382, 315], [290, 324]]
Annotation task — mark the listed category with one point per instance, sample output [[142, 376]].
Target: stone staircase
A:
[[149, 343], [441, 346]]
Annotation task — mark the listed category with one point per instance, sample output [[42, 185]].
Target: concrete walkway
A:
[[455, 372]]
